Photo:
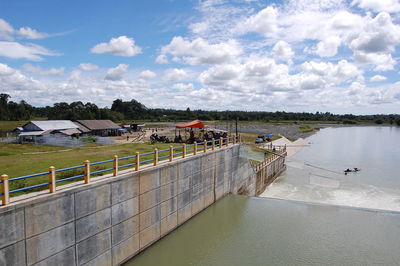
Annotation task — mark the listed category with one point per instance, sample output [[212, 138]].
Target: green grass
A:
[[305, 129], [14, 163]]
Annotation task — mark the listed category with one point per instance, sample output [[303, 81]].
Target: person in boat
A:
[[347, 170], [356, 169]]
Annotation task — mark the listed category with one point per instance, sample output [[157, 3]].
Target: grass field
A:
[[15, 163]]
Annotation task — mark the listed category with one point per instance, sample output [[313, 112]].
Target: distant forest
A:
[[134, 110]]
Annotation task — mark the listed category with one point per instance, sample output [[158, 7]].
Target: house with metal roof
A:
[[42, 131], [101, 127]]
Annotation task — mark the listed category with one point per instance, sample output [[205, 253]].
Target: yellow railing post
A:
[[234, 139], [184, 150], [227, 141], [87, 172], [5, 198], [171, 153], [115, 173], [213, 144], [52, 179], [137, 161], [220, 143], [205, 146], [155, 161], [195, 148]]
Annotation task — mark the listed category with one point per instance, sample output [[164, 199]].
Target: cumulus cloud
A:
[[175, 74], [117, 72], [378, 5], [282, 50], [183, 86], [147, 74], [264, 22], [121, 46], [200, 51], [88, 66], [46, 72], [377, 78], [29, 33], [7, 32], [29, 51]]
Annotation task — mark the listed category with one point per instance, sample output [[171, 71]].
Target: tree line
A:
[[133, 110]]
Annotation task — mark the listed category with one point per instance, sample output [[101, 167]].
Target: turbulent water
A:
[[375, 150]]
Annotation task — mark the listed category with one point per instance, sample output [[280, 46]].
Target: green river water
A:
[[241, 230]]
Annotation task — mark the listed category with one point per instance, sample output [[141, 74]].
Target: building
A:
[[47, 131], [102, 128]]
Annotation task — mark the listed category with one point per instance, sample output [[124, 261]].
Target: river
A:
[[375, 150], [240, 230]]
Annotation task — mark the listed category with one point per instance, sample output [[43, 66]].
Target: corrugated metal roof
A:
[[35, 133], [70, 132], [98, 124], [54, 124], [82, 128]]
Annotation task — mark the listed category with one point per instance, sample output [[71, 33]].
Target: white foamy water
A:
[[373, 149]]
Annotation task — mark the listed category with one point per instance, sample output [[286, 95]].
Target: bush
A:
[[349, 122], [378, 122]]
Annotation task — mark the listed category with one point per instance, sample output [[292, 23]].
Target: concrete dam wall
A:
[[112, 219]]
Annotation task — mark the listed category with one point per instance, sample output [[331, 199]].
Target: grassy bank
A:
[[14, 162]]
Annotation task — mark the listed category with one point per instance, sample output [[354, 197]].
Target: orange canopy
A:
[[193, 124]]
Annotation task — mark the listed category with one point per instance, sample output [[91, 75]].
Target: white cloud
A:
[[381, 62], [200, 51], [161, 59], [6, 70], [88, 66], [283, 50], [378, 5], [121, 46], [328, 47], [377, 78], [6, 30], [264, 22], [117, 72], [147, 74], [29, 33], [183, 86], [29, 51], [175, 74], [46, 72]]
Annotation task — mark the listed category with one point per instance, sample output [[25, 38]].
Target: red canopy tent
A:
[[193, 124]]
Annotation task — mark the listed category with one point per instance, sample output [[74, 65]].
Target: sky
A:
[[295, 55]]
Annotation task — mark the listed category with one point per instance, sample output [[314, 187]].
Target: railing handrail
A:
[[198, 148]]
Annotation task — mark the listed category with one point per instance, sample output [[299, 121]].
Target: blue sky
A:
[[294, 55]]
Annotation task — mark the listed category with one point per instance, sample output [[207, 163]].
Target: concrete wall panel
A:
[[12, 227], [125, 229], [92, 200], [49, 243], [13, 254], [92, 224], [92, 247], [64, 258]]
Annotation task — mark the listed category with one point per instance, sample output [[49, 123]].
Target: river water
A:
[[241, 230], [376, 150]]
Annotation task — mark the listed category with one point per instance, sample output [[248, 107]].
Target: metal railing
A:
[[276, 152], [86, 174]]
